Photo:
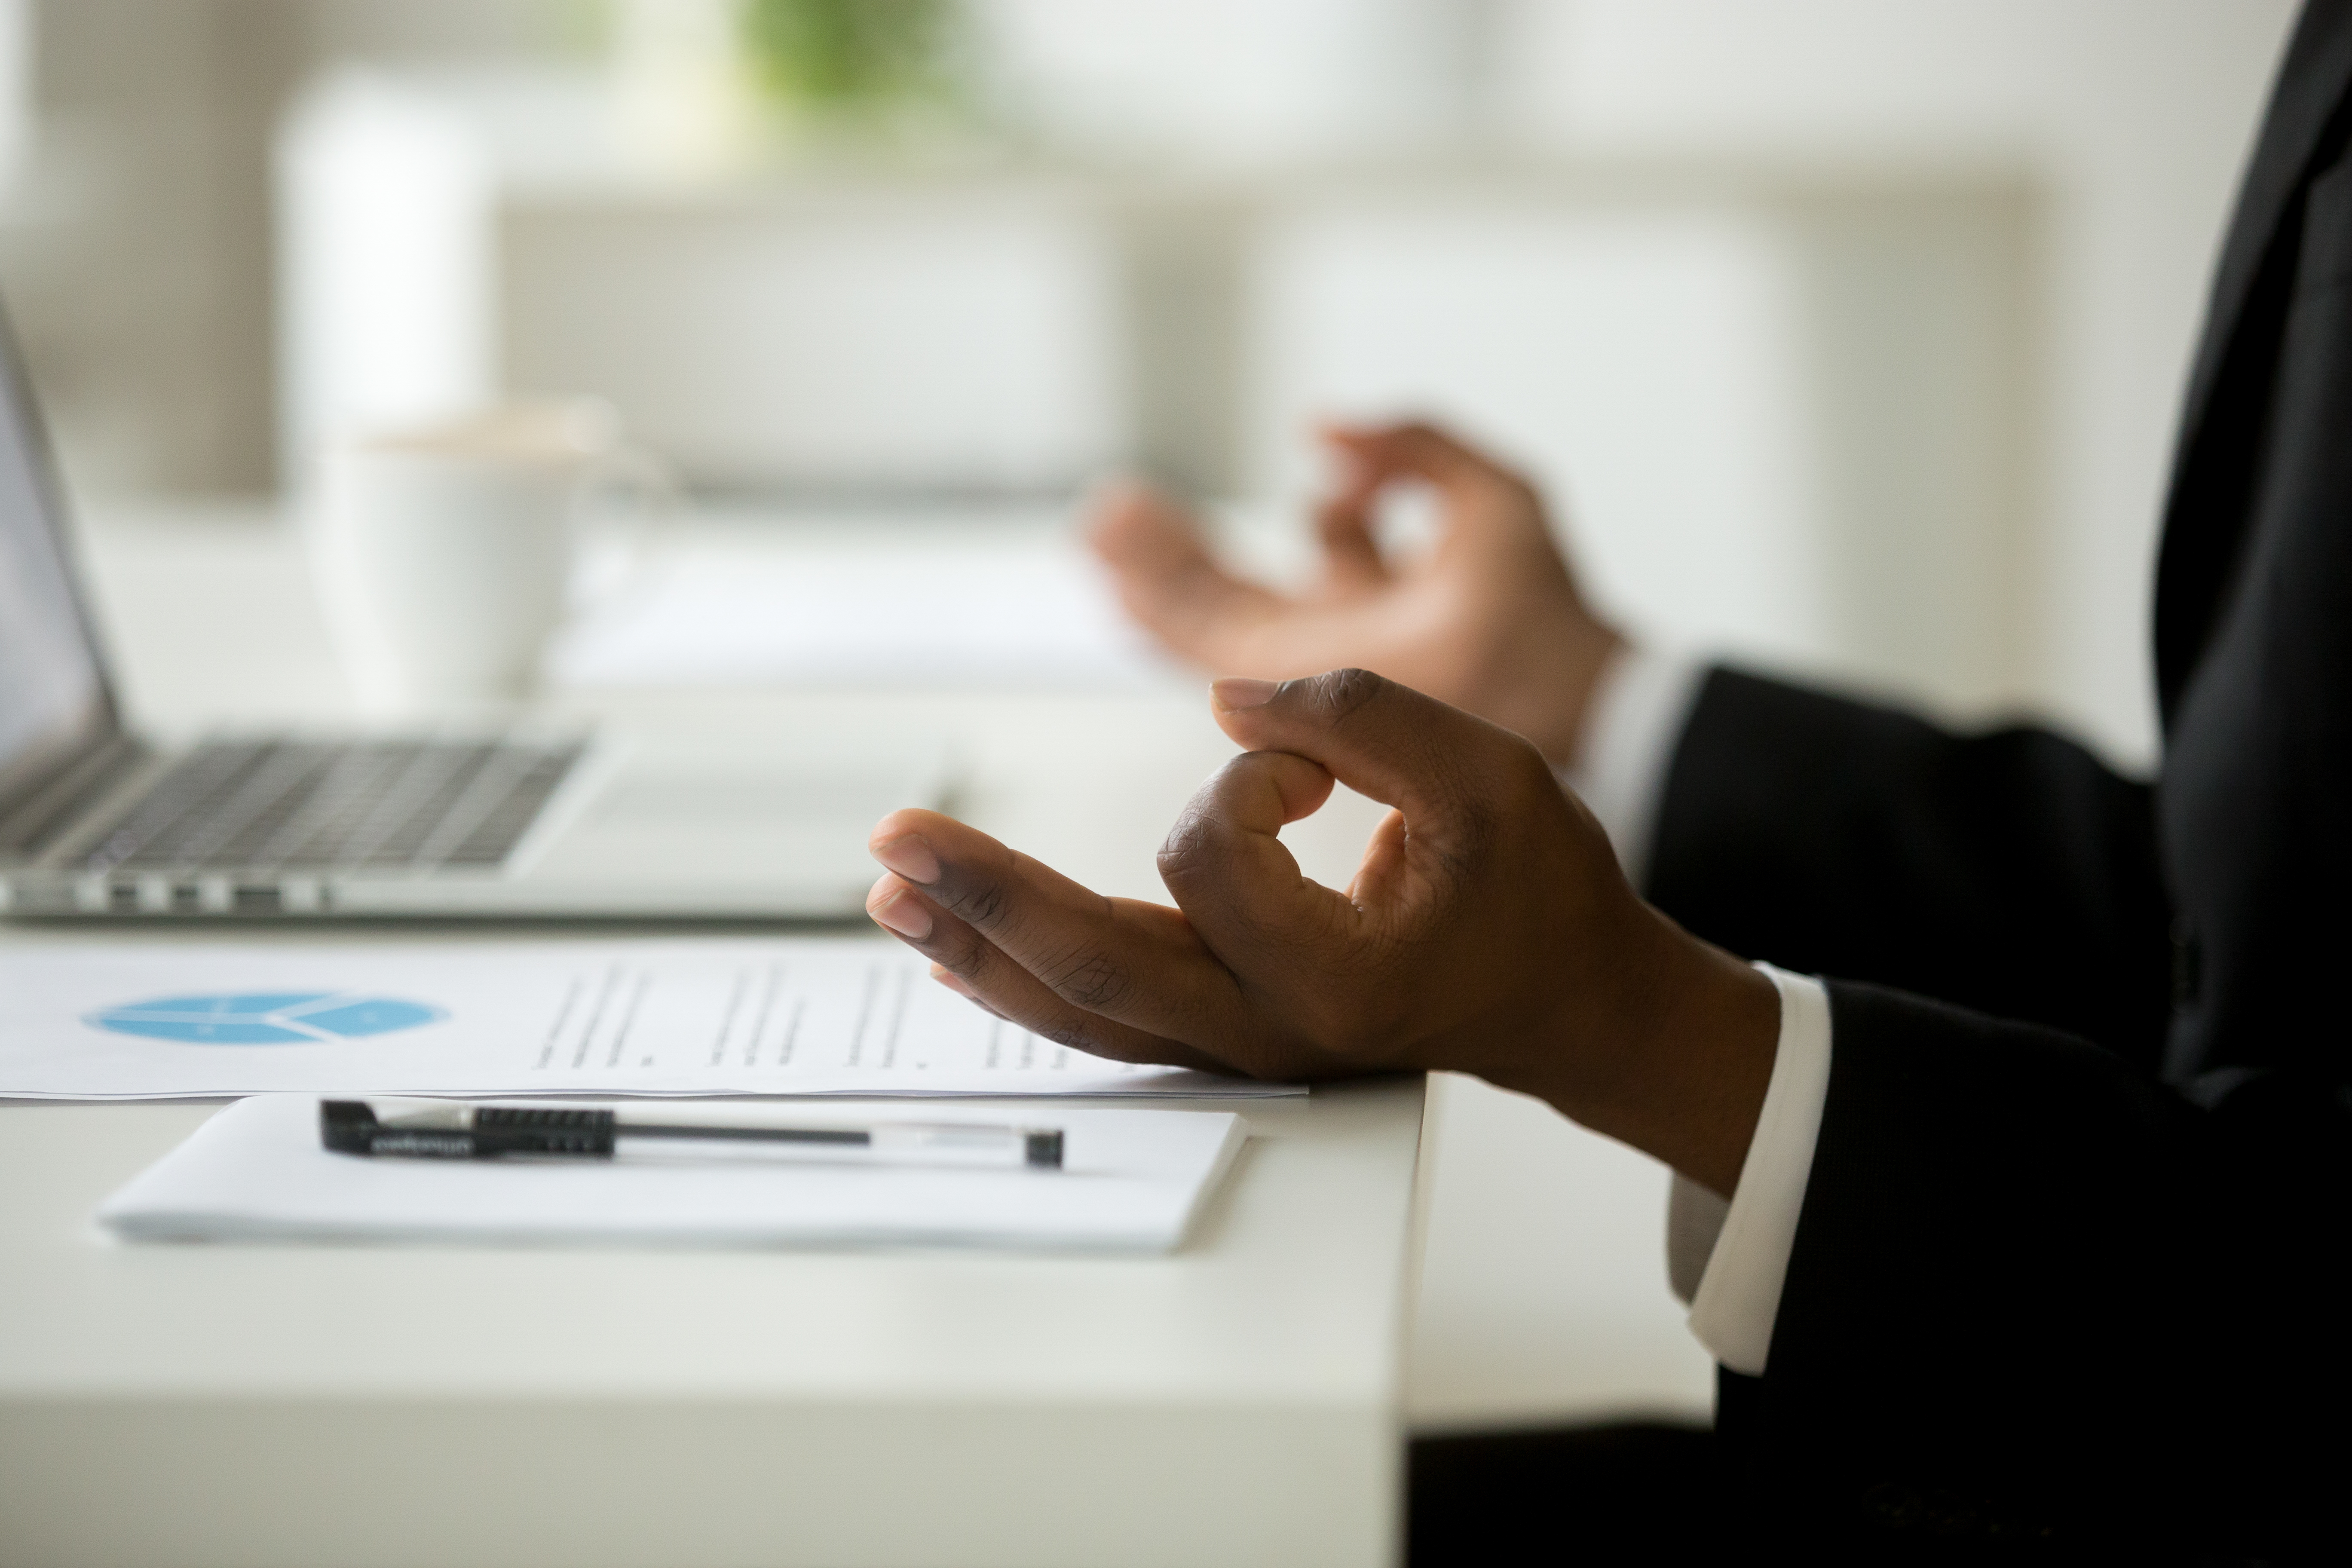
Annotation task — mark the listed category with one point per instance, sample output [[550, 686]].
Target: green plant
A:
[[843, 53]]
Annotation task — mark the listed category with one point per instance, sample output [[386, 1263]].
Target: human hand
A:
[[1488, 930], [1489, 620]]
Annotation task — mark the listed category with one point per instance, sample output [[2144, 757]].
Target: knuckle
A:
[[1086, 977], [1524, 781], [960, 954], [978, 901], [985, 907], [1191, 844], [1338, 694], [990, 893]]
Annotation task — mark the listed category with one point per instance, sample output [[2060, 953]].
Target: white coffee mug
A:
[[444, 553]]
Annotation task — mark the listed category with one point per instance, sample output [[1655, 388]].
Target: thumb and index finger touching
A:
[[1168, 578], [1379, 738], [1142, 982], [1490, 511], [1377, 456], [1224, 864], [1373, 458]]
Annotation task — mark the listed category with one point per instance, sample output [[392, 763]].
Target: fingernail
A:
[[910, 858], [898, 912], [1238, 692]]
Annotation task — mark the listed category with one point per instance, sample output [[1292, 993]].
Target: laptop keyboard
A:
[[394, 806]]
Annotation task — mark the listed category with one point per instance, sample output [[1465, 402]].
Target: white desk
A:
[[1238, 1402], [1234, 1403]]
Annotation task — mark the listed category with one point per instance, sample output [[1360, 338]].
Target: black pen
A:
[[460, 1129]]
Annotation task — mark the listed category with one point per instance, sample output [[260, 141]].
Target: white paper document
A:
[[1132, 1181], [678, 1016]]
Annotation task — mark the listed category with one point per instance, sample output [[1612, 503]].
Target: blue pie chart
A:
[[266, 1017]]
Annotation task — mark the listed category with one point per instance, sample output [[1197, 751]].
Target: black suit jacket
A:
[[2071, 1263]]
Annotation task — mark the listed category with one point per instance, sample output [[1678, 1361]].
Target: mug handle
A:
[[655, 509]]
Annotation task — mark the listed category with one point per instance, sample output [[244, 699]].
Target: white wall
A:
[[2136, 113], [928, 339]]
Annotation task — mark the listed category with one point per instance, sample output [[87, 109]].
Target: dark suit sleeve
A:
[[2034, 1291], [2008, 871]]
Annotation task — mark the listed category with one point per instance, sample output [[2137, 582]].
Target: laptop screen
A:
[[53, 701]]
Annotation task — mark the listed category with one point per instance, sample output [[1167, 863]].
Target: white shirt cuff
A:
[[1738, 1297], [1727, 1259], [1634, 721]]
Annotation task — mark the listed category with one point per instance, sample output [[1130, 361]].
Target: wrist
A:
[[1677, 1061], [1563, 712]]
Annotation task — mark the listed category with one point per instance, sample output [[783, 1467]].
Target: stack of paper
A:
[[1132, 1180]]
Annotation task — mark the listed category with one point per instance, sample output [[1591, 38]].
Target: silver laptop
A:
[[95, 821]]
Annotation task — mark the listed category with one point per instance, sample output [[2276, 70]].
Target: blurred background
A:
[[1846, 336]]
